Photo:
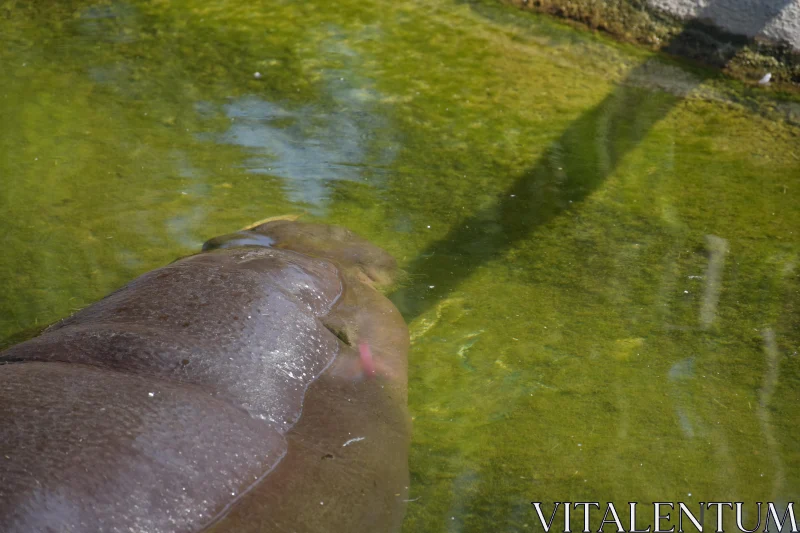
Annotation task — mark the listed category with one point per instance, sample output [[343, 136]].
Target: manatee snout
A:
[[340, 245]]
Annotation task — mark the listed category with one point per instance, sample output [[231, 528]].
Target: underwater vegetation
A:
[[599, 241]]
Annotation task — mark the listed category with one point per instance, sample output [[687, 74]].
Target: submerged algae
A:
[[542, 321]]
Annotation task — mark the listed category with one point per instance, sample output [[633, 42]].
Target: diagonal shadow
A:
[[567, 172]]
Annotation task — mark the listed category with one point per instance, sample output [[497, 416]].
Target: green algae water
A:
[[600, 245]]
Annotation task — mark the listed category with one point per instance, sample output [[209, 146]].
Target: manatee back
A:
[[211, 394], [165, 401]]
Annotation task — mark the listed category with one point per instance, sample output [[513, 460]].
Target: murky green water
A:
[[601, 246]]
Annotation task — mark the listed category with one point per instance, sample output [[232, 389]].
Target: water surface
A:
[[600, 244]]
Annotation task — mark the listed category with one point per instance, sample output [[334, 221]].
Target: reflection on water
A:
[[312, 145], [108, 22], [768, 387], [682, 372]]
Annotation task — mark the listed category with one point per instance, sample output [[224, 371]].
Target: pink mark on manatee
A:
[[367, 362]]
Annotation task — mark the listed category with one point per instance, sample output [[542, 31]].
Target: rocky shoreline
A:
[[703, 38]]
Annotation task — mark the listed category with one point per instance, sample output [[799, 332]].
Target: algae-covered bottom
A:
[[600, 245]]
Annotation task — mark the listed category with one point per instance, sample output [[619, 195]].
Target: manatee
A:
[[223, 392]]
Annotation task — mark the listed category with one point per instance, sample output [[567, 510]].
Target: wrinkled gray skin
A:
[[216, 394]]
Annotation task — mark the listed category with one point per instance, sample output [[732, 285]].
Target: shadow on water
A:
[[568, 172]]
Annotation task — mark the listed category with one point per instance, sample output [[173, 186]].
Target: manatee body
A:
[[220, 393]]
